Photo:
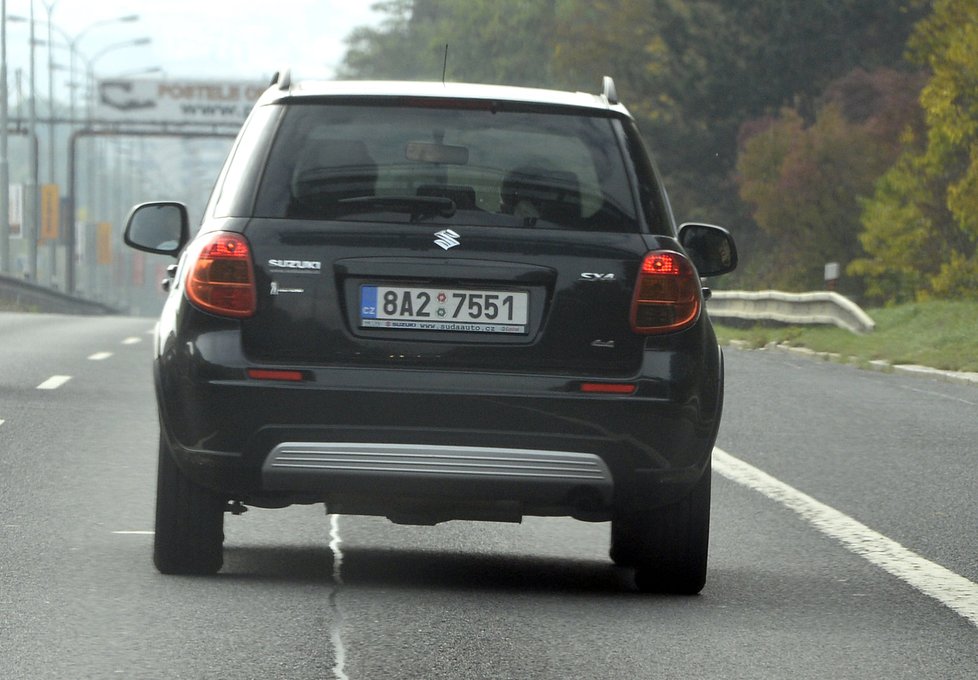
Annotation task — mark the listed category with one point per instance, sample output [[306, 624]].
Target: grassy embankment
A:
[[939, 334]]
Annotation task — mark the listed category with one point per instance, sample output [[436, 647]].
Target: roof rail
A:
[[609, 90], [282, 78]]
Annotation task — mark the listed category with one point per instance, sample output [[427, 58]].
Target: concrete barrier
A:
[[29, 296], [790, 308]]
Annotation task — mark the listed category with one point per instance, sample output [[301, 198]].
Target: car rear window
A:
[[475, 165]]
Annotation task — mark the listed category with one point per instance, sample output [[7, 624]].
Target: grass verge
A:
[[940, 334]]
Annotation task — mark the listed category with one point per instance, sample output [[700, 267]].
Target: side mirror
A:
[[161, 227], [711, 248]]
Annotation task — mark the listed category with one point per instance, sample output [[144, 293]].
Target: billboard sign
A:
[[145, 100]]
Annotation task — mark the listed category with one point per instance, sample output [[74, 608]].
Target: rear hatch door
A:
[[471, 298]]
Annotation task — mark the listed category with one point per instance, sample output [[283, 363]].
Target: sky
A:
[[200, 39]]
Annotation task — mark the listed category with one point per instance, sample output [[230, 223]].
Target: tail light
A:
[[221, 278], [668, 294]]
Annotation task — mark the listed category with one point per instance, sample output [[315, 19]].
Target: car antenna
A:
[[444, 66]]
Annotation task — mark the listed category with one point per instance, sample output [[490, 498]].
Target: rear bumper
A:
[[388, 440], [548, 479]]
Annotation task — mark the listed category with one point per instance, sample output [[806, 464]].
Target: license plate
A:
[[444, 309]]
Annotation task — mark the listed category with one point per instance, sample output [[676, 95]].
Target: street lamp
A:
[[73, 50], [72, 44], [49, 8], [4, 163], [90, 67], [141, 72]]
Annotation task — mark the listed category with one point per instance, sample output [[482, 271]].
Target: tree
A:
[[506, 41], [691, 71], [920, 229], [804, 182]]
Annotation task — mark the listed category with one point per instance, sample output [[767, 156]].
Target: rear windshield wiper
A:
[[418, 207]]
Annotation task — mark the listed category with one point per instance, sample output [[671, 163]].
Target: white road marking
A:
[[336, 634], [100, 356], [2, 422], [54, 382], [132, 340], [930, 393], [952, 590], [334, 546], [134, 533]]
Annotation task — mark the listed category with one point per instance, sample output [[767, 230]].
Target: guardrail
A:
[[790, 308], [24, 294]]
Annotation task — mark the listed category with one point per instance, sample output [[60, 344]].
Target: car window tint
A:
[[235, 185], [502, 168]]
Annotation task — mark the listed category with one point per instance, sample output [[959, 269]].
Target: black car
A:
[[431, 301]]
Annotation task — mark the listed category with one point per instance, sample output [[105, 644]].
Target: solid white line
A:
[[134, 533], [132, 340], [100, 356], [54, 382], [954, 591]]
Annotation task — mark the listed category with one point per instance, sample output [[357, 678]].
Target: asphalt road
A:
[[854, 556]]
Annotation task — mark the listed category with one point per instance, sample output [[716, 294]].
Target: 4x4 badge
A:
[[447, 239]]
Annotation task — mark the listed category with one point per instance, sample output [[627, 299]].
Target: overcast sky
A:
[[208, 39]]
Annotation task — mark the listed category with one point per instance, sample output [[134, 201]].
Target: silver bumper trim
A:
[[434, 461]]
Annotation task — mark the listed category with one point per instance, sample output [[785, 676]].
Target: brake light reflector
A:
[[274, 374], [607, 388], [668, 294], [221, 278]]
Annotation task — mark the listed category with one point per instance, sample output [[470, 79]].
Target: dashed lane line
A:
[[132, 340], [54, 382], [952, 590], [100, 356], [336, 630]]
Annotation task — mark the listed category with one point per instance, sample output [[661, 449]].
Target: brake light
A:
[[221, 278], [668, 294]]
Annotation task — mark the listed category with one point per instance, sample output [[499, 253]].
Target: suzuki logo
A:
[[307, 265], [447, 239]]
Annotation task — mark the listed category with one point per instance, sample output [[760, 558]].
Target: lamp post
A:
[[73, 47], [31, 224], [30, 228], [72, 42], [91, 278], [4, 163], [49, 7]]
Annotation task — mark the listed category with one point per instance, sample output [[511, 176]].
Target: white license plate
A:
[[444, 309]]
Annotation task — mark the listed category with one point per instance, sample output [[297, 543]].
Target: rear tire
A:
[[667, 546], [189, 522]]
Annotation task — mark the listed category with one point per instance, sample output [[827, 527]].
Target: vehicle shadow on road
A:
[[427, 569]]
